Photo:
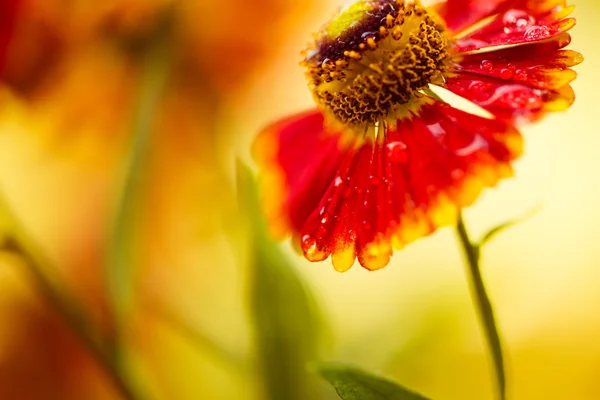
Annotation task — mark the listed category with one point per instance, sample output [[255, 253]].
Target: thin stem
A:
[[155, 69], [60, 298], [484, 306]]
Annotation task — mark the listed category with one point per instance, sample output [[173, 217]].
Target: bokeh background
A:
[[120, 126]]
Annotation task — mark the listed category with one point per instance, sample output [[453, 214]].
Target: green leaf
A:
[[354, 384], [508, 224], [155, 68], [284, 313]]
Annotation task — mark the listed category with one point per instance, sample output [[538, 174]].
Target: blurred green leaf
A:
[[155, 68], [502, 227], [283, 310], [354, 384]]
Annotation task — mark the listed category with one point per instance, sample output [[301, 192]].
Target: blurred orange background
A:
[[77, 85]]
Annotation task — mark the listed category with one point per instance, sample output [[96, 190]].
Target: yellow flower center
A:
[[369, 63]]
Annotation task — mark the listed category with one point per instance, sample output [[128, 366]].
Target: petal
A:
[[512, 102], [517, 26], [462, 14], [298, 159], [540, 65], [383, 195]]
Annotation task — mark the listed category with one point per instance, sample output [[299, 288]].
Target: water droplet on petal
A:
[[506, 73], [516, 21], [308, 243], [536, 32], [397, 152], [338, 181], [521, 74], [486, 65]]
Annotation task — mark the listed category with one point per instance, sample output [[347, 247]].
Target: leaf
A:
[[283, 311], [354, 384], [502, 227], [155, 70]]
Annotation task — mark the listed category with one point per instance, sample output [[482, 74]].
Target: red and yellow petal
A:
[[518, 25], [540, 65], [512, 102], [530, 77], [298, 159], [460, 15], [361, 202]]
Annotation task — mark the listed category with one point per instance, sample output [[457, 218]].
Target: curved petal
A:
[[298, 159], [383, 195], [517, 26], [462, 14], [512, 102], [540, 65], [518, 84]]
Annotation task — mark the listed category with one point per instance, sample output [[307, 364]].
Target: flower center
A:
[[371, 60]]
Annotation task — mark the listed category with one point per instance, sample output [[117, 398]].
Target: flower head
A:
[[383, 160]]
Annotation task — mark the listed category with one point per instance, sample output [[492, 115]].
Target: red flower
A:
[[383, 160]]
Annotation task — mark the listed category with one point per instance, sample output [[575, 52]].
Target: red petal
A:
[[462, 14], [517, 26], [513, 102], [386, 194], [540, 65], [299, 160]]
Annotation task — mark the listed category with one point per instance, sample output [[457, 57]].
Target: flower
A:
[[384, 160]]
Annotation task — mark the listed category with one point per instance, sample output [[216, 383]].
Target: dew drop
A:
[[506, 73], [397, 152], [486, 65], [309, 243], [516, 21], [536, 32], [324, 220], [521, 74], [338, 181]]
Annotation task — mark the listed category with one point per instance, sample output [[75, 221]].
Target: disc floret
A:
[[369, 64]]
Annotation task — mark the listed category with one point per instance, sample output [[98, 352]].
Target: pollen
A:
[[370, 63]]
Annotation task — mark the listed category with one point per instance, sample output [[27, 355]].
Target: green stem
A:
[[484, 306], [60, 298], [155, 68]]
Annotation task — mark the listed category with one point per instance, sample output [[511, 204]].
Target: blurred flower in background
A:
[[119, 122], [84, 86]]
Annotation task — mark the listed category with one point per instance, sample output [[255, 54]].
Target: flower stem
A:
[[15, 241], [484, 306]]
